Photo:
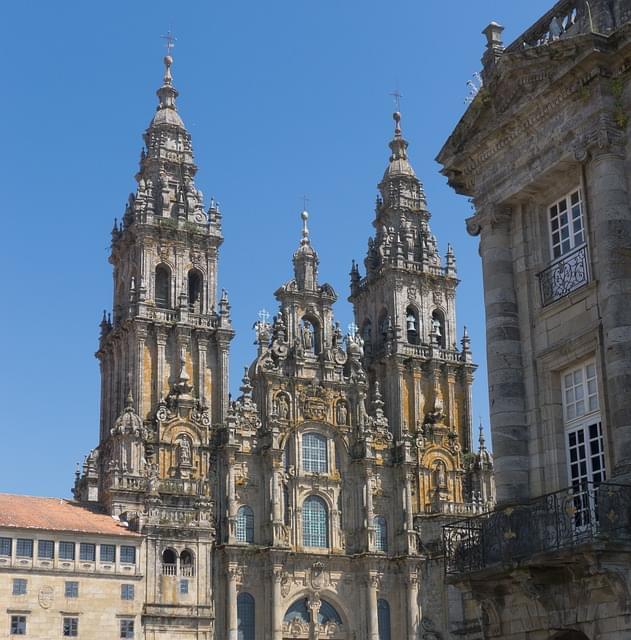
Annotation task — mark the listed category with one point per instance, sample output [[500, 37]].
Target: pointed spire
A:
[[167, 94], [481, 438], [306, 259], [398, 163]]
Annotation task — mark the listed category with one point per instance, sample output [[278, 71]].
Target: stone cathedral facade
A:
[[310, 507]]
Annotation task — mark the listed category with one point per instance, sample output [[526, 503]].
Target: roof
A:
[[56, 514]]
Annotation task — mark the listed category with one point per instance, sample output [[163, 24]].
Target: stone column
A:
[[467, 409], [161, 343], [504, 356], [610, 220], [202, 349], [277, 611], [413, 608], [371, 596], [140, 369], [231, 604]]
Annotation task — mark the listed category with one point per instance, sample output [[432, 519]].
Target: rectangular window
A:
[[107, 553], [584, 435], [127, 591], [314, 456], [19, 586], [5, 546], [183, 587], [66, 550], [72, 590], [128, 554], [24, 548], [18, 625], [87, 552], [566, 224], [71, 627], [45, 549], [127, 629]]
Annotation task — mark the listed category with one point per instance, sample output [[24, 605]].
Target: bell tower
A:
[[405, 310], [163, 356]]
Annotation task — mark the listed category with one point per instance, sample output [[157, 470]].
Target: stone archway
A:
[[313, 617], [569, 634]]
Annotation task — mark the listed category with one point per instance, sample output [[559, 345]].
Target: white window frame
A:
[[566, 201], [583, 431]]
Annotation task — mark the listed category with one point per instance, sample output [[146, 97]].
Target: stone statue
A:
[[440, 475], [307, 337], [342, 413], [282, 407], [184, 453]]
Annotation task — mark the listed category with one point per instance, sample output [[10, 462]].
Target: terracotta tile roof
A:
[[56, 514]]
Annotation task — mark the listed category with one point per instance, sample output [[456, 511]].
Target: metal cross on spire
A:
[[170, 41], [263, 316], [397, 95]]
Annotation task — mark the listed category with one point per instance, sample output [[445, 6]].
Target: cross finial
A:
[[397, 95], [352, 329], [263, 316], [305, 201], [170, 41]]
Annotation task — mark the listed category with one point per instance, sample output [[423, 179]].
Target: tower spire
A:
[[306, 259]]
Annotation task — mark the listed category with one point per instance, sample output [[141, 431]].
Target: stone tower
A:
[[164, 370], [405, 310]]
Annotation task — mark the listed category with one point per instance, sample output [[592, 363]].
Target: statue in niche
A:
[[342, 413], [184, 452], [337, 335], [282, 407], [440, 475], [307, 336]]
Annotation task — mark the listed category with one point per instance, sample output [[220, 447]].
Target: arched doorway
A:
[[313, 617], [569, 634]]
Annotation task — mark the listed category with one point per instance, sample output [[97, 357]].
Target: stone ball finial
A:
[[168, 60], [304, 215]]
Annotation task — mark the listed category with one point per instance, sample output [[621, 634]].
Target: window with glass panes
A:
[[72, 589], [127, 591], [245, 524], [315, 522], [381, 533], [585, 447], [18, 625], [127, 554], [45, 549], [19, 587], [5, 546], [183, 587], [566, 224], [107, 553], [70, 627], [24, 548], [127, 629], [383, 619], [314, 457], [66, 550], [245, 617], [87, 551]]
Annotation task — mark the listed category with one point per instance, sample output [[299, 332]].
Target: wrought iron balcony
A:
[[563, 520], [564, 276]]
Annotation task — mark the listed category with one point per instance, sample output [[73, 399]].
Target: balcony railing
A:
[[556, 521], [564, 276]]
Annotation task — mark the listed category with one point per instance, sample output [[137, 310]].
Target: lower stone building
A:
[[68, 571]]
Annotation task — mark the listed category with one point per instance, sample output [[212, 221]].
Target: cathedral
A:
[[312, 505]]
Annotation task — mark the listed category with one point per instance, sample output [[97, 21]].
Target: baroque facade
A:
[[312, 505], [543, 151]]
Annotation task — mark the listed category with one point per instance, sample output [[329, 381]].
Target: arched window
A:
[[298, 610], [438, 328], [163, 287], [384, 326], [367, 336], [327, 613], [411, 325], [187, 563], [314, 457], [245, 524], [169, 562], [245, 616], [315, 522], [381, 533], [383, 619], [195, 281]]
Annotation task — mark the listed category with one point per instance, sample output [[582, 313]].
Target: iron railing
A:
[[564, 276], [574, 516]]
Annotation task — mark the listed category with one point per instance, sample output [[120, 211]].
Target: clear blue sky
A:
[[282, 98]]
